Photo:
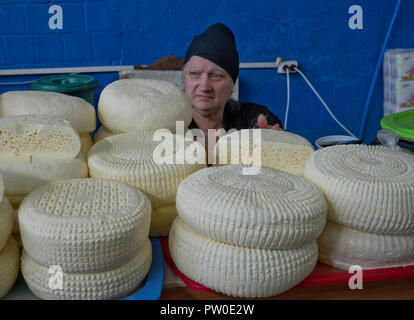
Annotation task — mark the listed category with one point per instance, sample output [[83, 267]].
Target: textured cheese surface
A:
[[367, 188], [22, 177], [84, 225], [102, 133], [36, 137], [128, 105], [77, 111], [238, 271], [343, 247], [1, 187], [6, 221], [278, 149], [270, 210], [9, 266], [86, 143], [112, 284], [130, 158]]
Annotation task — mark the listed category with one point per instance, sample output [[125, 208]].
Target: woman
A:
[[211, 68]]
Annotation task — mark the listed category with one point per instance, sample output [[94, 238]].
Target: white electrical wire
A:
[[288, 97], [324, 104]]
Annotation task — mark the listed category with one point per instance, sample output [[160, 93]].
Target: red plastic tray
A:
[[322, 275]]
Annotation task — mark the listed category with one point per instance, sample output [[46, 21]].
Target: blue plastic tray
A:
[[151, 290]]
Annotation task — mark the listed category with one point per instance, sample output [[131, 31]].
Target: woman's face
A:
[[207, 85]]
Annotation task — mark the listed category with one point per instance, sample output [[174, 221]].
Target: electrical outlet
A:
[[289, 64]]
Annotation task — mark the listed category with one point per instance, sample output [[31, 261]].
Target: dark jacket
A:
[[239, 115]]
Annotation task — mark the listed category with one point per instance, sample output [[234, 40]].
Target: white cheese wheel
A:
[[343, 247], [35, 137], [84, 225], [22, 177], [102, 133], [278, 149], [132, 158], [9, 266], [367, 188], [86, 143], [1, 187], [77, 111], [270, 210], [238, 271], [112, 284], [129, 105], [6, 221]]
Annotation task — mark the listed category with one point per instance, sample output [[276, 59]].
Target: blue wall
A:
[[340, 62]]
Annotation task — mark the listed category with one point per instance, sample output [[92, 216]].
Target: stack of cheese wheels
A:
[[94, 232], [131, 105], [247, 235], [36, 150], [271, 148], [370, 196], [156, 168], [77, 111], [9, 251]]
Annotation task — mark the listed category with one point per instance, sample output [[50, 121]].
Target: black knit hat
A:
[[216, 44]]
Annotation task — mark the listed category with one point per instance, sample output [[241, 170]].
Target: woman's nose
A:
[[204, 83]]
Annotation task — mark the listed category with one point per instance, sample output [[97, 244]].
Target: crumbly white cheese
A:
[[343, 247], [84, 225], [367, 188], [128, 105], [238, 271], [36, 137], [111, 284], [77, 111], [278, 149], [270, 210], [9, 266]]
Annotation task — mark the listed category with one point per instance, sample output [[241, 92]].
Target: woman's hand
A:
[[262, 123]]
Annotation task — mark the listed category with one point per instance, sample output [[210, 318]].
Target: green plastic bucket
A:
[[78, 85]]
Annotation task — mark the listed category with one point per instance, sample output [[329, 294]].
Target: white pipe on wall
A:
[[16, 72]]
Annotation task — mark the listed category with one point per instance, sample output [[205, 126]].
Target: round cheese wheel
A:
[[77, 111], [22, 177], [274, 148], [128, 105], [367, 188], [238, 271], [6, 221], [343, 247], [136, 159], [270, 210], [84, 225], [106, 285], [9, 266]]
